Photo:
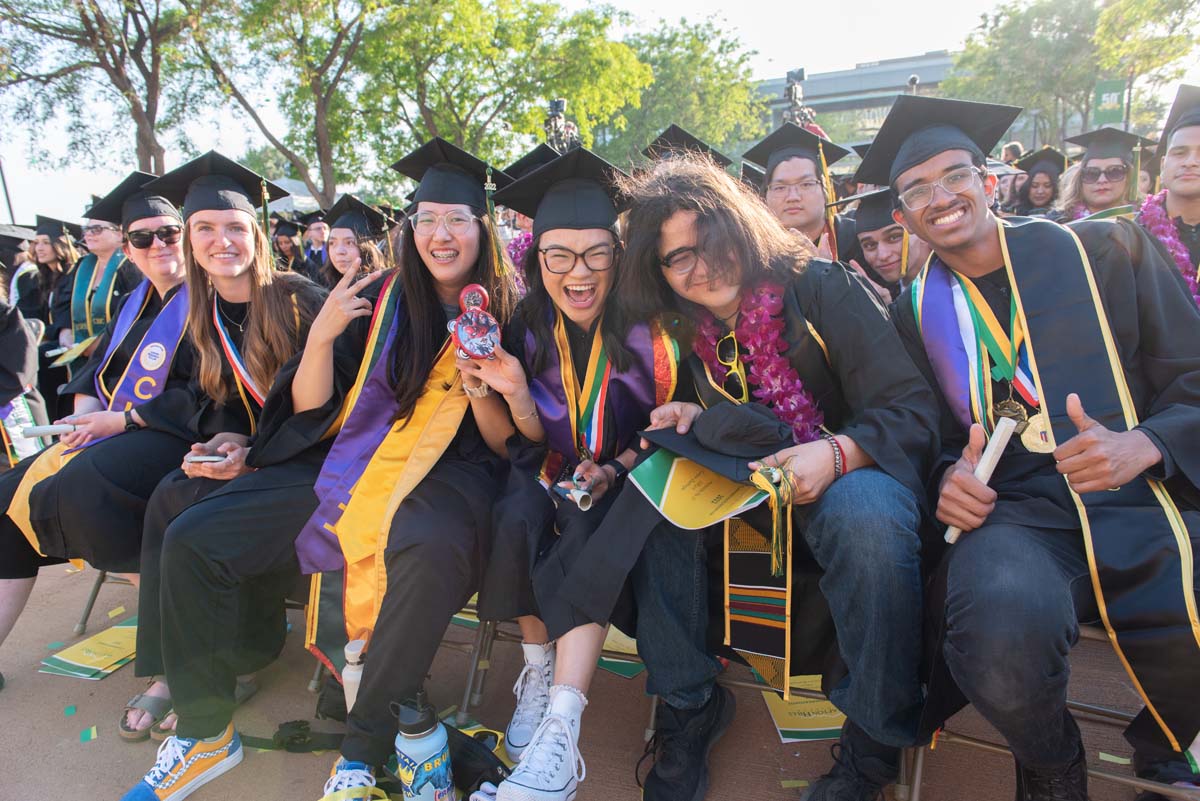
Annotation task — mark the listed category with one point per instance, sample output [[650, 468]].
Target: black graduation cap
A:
[[1108, 143], [918, 128], [213, 182], [576, 190], [790, 141], [392, 214], [726, 437], [753, 177], [1149, 160], [48, 226], [874, 210], [313, 216], [861, 149], [288, 226], [542, 154], [1185, 112], [350, 212], [448, 174], [1048, 159], [12, 236], [129, 202], [676, 140]]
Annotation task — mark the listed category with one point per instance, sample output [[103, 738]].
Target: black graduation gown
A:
[[1147, 306], [31, 298], [127, 279], [538, 543], [19, 361]]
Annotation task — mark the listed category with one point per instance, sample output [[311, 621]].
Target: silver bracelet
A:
[[480, 391], [528, 416]]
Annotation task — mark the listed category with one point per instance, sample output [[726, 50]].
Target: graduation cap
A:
[[213, 182], [861, 149], [448, 174], [288, 226], [48, 226], [364, 221], [753, 177], [918, 128], [576, 190], [676, 140], [874, 210], [12, 236], [726, 437], [791, 141], [542, 154], [998, 167], [313, 217], [1108, 143], [1184, 113], [1048, 159], [129, 202]]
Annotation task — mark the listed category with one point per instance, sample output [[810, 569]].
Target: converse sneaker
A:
[[352, 781], [533, 697], [551, 767], [184, 765]]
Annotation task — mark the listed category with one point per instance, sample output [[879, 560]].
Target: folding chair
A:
[[102, 578]]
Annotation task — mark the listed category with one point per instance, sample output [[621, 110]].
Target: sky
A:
[[862, 32]]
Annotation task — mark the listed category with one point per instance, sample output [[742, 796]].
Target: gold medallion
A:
[[1036, 437], [1013, 410]]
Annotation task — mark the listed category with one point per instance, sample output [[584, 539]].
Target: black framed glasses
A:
[[728, 355], [167, 234], [681, 261], [560, 260], [1114, 173]]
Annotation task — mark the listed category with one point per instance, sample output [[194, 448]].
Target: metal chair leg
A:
[[903, 787], [653, 724], [314, 684], [483, 636], [484, 664], [81, 626], [918, 774]]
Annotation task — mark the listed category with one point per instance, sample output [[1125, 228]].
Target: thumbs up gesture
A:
[[965, 501], [1097, 459]]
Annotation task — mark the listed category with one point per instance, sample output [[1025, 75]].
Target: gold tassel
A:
[[775, 483], [830, 211], [489, 189], [903, 259]]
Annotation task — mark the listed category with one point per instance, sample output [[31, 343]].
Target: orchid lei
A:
[[518, 246], [759, 331], [1154, 218]]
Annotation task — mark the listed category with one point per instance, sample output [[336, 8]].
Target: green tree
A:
[[1146, 40], [476, 72], [303, 54], [702, 82], [63, 61], [268, 161]]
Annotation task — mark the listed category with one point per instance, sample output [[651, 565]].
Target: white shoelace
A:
[[170, 753], [553, 745], [348, 779], [533, 696]]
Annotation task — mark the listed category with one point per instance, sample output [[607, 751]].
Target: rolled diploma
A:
[[987, 463], [47, 431]]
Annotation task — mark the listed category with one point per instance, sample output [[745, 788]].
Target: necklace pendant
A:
[[1037, 436], [1014, 411]]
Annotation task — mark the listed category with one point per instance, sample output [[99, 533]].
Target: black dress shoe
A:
[[1059, 783]]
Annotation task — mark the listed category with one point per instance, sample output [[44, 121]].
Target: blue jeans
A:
[[863, 534]]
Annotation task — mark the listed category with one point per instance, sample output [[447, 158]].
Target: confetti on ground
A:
[[793, 784], [72, 570], [69, 711], [87, 735], [120, 610], [54, 646], [1116, 760]]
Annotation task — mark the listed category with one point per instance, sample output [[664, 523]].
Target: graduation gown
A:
[[542, 546], [1153, 326], [20, 402]]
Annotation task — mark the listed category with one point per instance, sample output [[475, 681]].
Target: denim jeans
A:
[[863, 533]]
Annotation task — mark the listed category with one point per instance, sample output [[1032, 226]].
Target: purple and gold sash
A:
[[576, 414]]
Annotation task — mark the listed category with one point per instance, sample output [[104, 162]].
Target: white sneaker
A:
[[352, 780], [551, 768], [533, 698]]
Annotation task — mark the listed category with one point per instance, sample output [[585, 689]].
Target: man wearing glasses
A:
[[1086, 338]]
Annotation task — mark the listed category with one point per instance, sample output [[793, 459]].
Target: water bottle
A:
[[422, 753], [352, 673]]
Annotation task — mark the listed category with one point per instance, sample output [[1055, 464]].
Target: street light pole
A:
[[8, 200]]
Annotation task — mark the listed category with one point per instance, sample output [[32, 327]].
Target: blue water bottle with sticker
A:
[[422, 752]]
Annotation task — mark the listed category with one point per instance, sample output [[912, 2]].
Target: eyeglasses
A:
[[1114, 173], [735, 377], [781, 190], [97, 228], [168, 235], [680, 262], [456, 222], [954, 182], [560, 260]]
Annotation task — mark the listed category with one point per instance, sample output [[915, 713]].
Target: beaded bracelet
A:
[[839, 458]]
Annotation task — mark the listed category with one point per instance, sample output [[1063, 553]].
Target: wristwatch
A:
[[130, 423], [621, 470]]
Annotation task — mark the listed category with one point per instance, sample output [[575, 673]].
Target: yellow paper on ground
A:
[[804, 719], [98, 655], [689, 495]]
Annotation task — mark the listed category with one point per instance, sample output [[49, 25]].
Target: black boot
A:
[[1061, 783], [682, 741], [861, 769]]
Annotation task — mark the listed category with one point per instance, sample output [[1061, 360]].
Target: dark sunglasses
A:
[[168, 235], [1117, 172]]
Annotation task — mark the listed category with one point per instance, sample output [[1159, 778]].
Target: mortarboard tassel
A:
[[830, 211]]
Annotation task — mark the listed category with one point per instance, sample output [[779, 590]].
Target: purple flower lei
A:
[[518, 246], [760, 331], [1154, 218]]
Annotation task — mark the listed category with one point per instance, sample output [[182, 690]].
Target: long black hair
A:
[[537, 307], [418, 343], [1024, 204]]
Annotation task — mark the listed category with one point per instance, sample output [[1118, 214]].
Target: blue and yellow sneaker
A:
[[185, 765], [352, 781]]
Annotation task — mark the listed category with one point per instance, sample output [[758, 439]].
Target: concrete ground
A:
[[42, 756]]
